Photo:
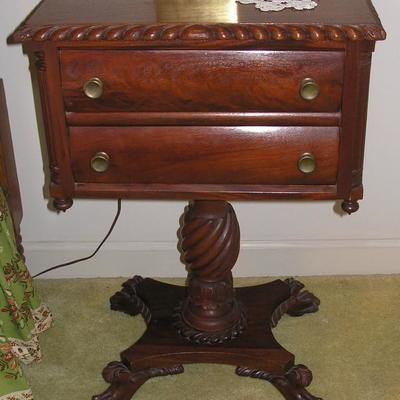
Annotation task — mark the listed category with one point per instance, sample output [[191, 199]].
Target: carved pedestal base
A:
[[209, 321], [163, 350]]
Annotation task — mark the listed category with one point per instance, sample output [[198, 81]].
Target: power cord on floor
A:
[[94, 253]]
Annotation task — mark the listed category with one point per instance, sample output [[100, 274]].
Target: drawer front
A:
[[201, 81], [204, 155]]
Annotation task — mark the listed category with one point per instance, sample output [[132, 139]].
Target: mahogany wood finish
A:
[[200, 119], [205, 20], [203, 101], [338, 67], [255, 351], [48, 77], [206, 192], [145, 81], [8, 170], [210, 243], [236, 155]]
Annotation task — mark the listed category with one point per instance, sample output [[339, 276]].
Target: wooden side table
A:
[[209, 101]]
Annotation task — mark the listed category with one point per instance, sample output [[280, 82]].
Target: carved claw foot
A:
[[292, 385], [128, 301], [124, 383], [299, 303], [305, 302]]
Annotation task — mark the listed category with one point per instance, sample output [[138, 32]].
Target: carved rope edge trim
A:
[[215, 32], [194, 336]]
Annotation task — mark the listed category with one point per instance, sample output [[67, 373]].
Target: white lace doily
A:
[[279, 5]]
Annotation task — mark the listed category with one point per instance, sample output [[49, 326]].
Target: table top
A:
[[357, 18]]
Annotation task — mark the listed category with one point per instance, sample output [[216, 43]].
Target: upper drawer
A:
[[173, 81]]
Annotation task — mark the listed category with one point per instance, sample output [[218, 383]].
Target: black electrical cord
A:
[[94, 253]]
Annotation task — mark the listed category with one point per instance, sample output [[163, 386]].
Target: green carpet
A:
[[352, 345]]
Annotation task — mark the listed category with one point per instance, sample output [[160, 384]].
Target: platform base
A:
[[164, 349]]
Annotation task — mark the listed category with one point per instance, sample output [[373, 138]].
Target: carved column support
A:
[[210, 242], [43, 62]]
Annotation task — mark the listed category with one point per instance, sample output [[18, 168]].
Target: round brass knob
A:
[[307, 163], [309, 89], [100, 162], [93, 88]]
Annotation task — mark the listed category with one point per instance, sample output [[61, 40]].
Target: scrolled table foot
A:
[[124, 383], [299, 303], [291, 385], [129, 301]]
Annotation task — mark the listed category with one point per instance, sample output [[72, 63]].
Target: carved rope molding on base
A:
[[209, 32], [209, 338], [292, 384], [298, 375], [118, 372]]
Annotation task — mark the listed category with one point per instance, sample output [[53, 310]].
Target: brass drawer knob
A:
[[307, 163], [93, 88], [309, 89], [100, 162]]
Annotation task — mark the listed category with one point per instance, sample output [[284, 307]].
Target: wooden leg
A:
[[125, 383], [129, 301], [298, 304], [209, 321], [292, 384]]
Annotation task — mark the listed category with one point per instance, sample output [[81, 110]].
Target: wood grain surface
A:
[[205, 155], [203, 118], [201, 100], [182, 81], [138, 20]]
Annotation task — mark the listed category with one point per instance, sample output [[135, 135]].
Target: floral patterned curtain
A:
[[22, 316]]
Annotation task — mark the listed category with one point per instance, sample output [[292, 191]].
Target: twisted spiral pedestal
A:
[[210, 243], [209, 321]]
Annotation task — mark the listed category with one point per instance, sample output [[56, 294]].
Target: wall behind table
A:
[[277, 238]]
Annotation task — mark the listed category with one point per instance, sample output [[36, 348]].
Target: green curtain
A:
[[22, 316]]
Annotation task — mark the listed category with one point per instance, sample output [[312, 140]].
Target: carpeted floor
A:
[[352, 345]]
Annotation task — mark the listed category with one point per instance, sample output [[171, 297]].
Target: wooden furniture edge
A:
[[8, 170], [205, 192], [198, 32]]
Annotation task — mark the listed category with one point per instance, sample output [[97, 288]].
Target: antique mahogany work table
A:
[[209, 101]]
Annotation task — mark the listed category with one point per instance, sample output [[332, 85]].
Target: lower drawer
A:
[[204, 155]]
